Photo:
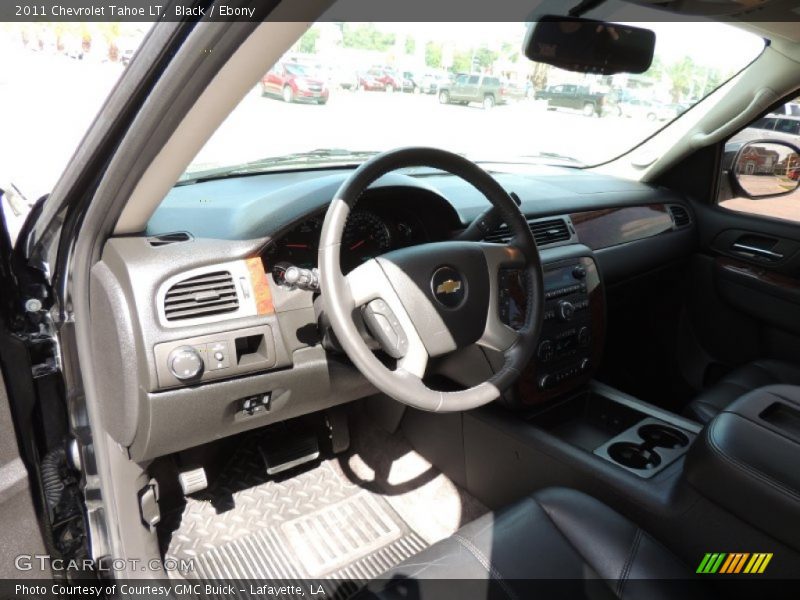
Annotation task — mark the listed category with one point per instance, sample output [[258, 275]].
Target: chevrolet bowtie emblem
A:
[[451, 286]]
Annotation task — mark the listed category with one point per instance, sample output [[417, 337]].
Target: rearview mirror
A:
[[589, 46], [764, 169]]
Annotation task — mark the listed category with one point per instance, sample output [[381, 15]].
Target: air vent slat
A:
[[546, 232], [201, 296], [680, 216], [202, 312], [190, 302], [184, 291], [204, 279]]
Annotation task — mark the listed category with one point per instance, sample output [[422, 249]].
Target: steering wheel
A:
[[432, 299]]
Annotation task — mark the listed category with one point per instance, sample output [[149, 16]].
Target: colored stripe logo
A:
[[733, 563]]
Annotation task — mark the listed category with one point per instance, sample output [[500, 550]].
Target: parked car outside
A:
[[772, 127], [638, 108], [429, 81], [380, 79], [125, 56], [790, 108], [578, 97], [513, 90], [486, 89], [411, 82], [294, 83], [345, 79]]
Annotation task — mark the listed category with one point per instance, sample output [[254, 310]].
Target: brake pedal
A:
[[281, 454]]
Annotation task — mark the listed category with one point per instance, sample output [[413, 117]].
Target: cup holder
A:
[[662, 436], [634, 456], [646, 447]]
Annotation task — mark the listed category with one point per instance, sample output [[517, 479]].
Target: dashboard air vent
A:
[[201, 296], [550, 231], [545, 232], [169, 238], [680, 216]]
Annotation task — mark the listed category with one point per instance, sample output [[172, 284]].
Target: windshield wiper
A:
[[320, 156]]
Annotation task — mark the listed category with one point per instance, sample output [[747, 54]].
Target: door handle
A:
[[762, 252]]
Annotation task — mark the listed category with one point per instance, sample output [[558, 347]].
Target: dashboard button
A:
[[566, 310], [218, 356], [186, 362], [545, 351]]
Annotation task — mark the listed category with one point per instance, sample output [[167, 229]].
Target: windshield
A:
[[468, 88], [297, 70], [54, 77]]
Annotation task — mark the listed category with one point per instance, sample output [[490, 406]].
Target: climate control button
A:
[[545, 351]]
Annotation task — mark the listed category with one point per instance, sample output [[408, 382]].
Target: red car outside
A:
[[294, 83], [380, 80]]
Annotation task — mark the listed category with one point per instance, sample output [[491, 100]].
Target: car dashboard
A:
[[199, 337], [380, 222]]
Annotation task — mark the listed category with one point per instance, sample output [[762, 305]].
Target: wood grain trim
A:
[[613, 226], [260, 284], [759, 275]]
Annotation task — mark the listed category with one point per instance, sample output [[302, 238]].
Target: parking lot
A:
[[380, 120], [50, 101]]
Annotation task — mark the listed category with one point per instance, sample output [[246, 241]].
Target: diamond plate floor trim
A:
[[315, 524]]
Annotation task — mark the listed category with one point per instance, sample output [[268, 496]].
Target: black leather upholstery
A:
[[746, 461], [521, 551], [737, 383]]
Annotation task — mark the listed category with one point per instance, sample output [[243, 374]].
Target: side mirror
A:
[[765, 169]]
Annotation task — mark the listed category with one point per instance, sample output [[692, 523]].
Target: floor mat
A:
[[316, 524]]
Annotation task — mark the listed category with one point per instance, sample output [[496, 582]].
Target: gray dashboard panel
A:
[[263, 205], [186, 417], [236, 219]]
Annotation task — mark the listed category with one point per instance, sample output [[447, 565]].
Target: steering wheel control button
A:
[[186, 362], [218, 356], [449, 287], [385, 328]]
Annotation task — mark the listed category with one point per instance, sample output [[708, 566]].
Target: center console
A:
[[746, 461], [693, 488], [571, 341]]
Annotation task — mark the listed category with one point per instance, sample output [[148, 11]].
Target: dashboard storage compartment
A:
[[746, 461]]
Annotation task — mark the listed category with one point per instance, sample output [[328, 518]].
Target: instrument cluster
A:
[[367, 234]]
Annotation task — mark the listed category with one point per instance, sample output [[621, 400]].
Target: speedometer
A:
[[365, 236], [298, 246]]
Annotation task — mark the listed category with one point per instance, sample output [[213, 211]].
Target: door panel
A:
[[770, 243], [745, 297]]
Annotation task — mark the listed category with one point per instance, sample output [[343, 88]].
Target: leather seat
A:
[[555, 543], [745, 379]]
